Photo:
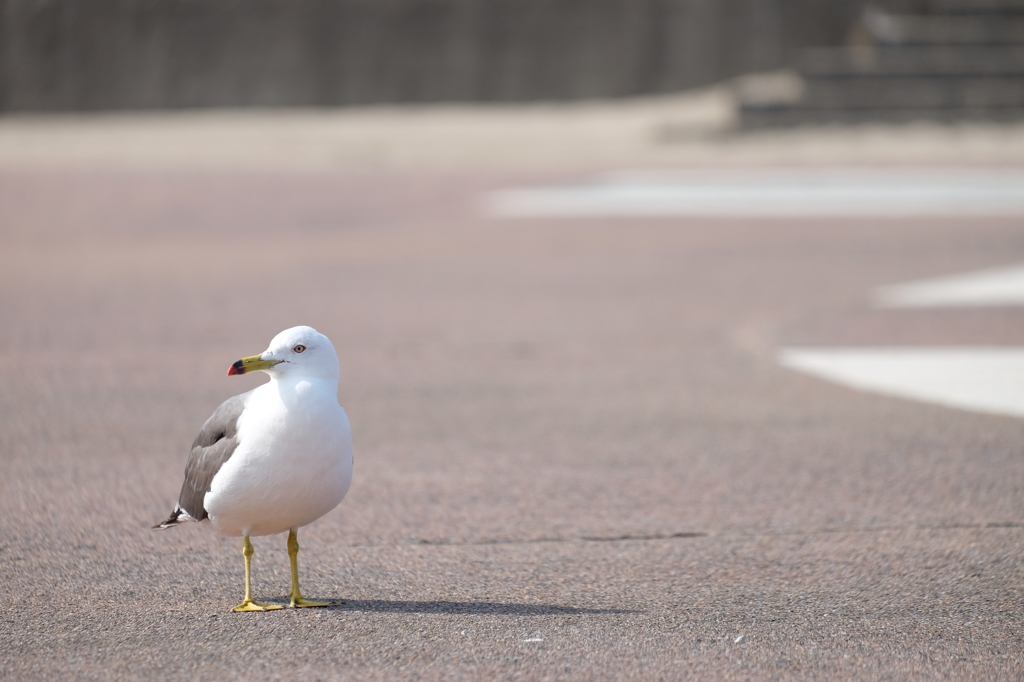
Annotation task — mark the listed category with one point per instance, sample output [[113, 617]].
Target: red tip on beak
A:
[[237, 368]]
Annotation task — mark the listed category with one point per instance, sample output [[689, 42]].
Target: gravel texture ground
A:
[[576, 454]]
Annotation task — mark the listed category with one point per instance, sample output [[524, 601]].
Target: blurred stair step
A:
[[787, 117], [975, 6], [914, 60], [913, 92], [995, 29]]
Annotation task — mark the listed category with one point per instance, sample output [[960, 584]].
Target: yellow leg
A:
[[248, 604], [296, 596]]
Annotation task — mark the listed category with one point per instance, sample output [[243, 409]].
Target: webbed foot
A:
[[299, 602], [250, 605]]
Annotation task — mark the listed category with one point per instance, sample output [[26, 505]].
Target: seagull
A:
[[273, 459]]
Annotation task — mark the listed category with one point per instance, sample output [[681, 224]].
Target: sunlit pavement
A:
[[580, 451]]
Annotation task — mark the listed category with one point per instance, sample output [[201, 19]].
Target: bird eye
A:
[[299, 348]]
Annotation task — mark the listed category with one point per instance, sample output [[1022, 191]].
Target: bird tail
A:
[[177, 516]]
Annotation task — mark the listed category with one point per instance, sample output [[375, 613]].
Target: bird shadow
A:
[[479, 608]]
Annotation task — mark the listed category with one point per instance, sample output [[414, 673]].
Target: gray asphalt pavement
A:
[[576, 454]]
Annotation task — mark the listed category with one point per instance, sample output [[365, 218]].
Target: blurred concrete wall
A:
[[142, 54]]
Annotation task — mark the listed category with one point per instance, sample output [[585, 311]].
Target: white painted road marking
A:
[[773, 193], [991, 287], [980, 379]]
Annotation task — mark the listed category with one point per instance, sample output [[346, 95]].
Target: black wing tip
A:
[[173, 520]]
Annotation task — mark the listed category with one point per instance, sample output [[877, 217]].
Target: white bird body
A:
[[274, 459], [293, 463]]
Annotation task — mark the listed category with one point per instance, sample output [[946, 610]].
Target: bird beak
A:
[[253, 363]]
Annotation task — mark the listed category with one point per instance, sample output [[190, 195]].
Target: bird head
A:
[[297, 352]]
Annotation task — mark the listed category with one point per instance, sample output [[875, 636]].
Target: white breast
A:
[[293, 463]]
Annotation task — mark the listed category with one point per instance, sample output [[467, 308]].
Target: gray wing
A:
[[212, 447]]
